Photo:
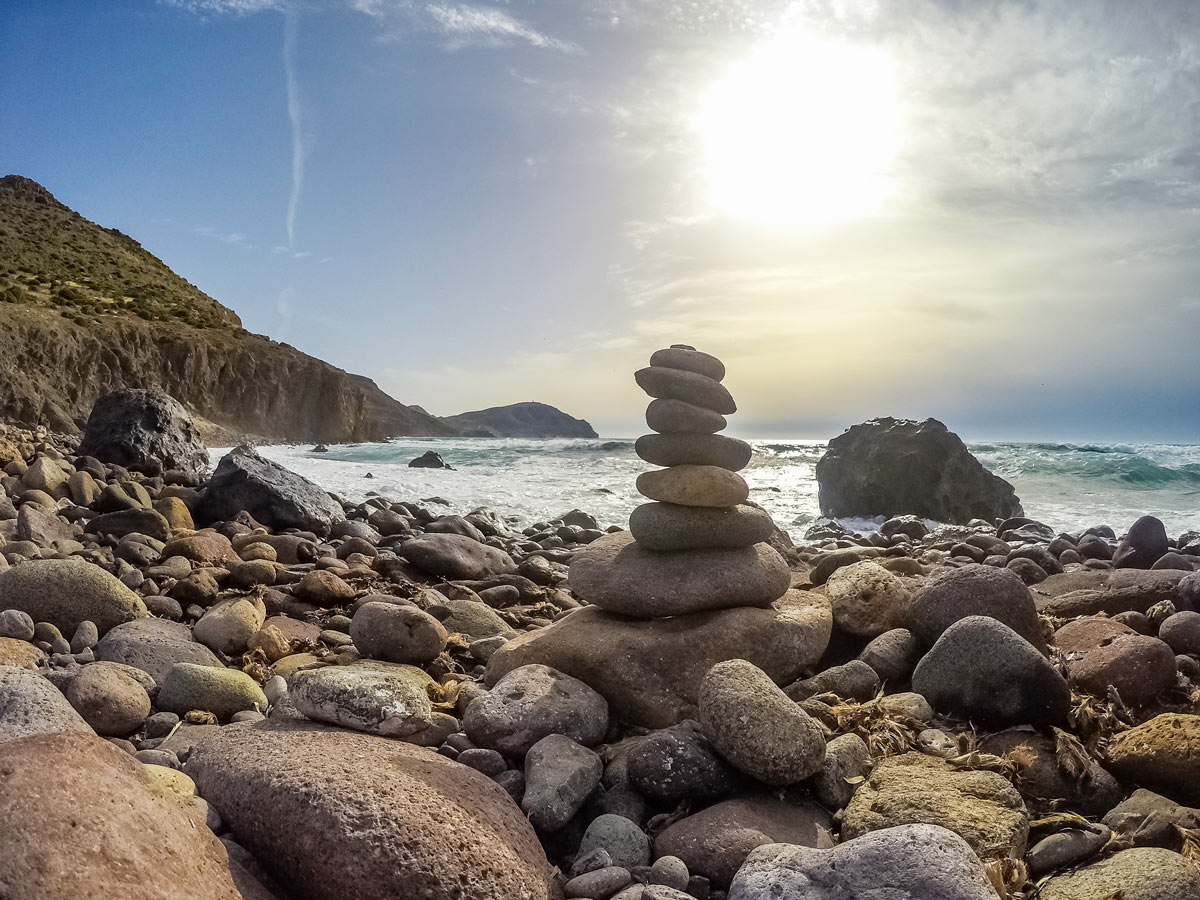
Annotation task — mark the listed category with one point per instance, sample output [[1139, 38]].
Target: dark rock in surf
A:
[[895, 466], [430, 460]]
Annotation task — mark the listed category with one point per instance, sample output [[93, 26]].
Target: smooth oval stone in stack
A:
[[699, 547]]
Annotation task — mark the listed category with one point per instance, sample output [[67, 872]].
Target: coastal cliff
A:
[[86, 309]]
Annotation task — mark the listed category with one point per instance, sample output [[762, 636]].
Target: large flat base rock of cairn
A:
[[650, 672], [672, 526], [618, 575]]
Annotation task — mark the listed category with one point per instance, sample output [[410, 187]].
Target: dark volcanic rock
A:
[[975, 590], [1142, 546], [273, 495], [980, 669], [429, 460], [147, 430], [895, 466]]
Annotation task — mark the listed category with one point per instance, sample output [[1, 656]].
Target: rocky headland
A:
[[86, 310], [232, 684]]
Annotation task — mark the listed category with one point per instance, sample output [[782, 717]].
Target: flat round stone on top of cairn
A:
[[700, 547]]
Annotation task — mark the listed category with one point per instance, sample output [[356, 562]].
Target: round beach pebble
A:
[[867, 599], [16, 624], [617, 575], [531, 702], [694, 448], [219, 691], [694, 486], [672, 526], [228, 626], [677, 384], [667, 416], [325, 589], [109, 699], [757, 727], [396, 633], [1182, 632]]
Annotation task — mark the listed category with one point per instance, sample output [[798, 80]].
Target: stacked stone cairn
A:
[[698, 546]]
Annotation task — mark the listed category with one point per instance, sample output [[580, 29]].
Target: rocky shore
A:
[[232, 684]]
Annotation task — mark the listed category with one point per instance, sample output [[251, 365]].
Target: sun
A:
[[801, 134]]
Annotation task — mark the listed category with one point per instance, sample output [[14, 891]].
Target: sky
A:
[[985, 212]]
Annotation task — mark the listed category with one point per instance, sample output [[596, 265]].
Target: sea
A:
[[1068, 486]]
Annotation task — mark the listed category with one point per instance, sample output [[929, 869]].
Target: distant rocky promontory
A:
[[530, 420]]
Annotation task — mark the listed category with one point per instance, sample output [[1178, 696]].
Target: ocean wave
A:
[[1097, 466]]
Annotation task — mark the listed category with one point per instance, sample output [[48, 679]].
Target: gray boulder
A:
[[456, 557], [30, 704], [530, 703], [1142, 546], [66, 592], [376, 698], [273, 495], [154, 646], [144, 429], [982, 670], [892, 467], [908, 862], [559, 776], [757, 727], [975, 590]]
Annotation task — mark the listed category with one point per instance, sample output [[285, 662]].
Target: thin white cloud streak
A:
[[474, 24], [299, 150], [223, 7], [229, 237]]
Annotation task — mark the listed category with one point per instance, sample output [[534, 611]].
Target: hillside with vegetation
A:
[[86, 309]]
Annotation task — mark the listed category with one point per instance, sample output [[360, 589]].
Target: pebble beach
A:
[[238, 684]]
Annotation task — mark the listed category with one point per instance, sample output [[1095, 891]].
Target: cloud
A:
[[480, 25], [224, 7], [234, 237], [295, 117]]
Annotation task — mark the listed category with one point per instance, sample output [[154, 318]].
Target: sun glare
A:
[[802, 133]]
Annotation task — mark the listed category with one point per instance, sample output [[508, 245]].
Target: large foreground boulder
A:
[[273, 495], [66, 592], [335, 814], [893, 467], [83, 819], [650, 671], [144, 430]]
